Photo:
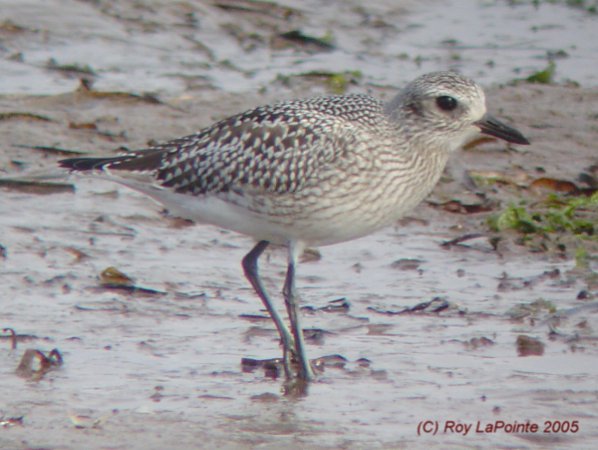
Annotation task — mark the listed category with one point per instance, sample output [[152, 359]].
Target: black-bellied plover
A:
[[310, 173]]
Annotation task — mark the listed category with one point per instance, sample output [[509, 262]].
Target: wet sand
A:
[[160, 367]]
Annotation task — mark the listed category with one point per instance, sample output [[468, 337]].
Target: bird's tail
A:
[[87, 164]]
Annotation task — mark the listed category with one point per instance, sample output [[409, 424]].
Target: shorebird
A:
[[310, 172]]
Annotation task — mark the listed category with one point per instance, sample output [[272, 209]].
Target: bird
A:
[[309, 173]]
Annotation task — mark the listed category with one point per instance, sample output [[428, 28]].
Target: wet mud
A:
[[125, 328]]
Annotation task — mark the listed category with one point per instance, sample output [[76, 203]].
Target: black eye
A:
[[446, 103]]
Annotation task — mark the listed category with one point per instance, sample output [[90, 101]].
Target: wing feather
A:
[[271, 148]]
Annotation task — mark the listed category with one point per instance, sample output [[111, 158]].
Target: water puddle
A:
[[174, 360]]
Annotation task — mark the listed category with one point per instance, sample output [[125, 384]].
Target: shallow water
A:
[[168, 49], [151, 366], [161, 370]]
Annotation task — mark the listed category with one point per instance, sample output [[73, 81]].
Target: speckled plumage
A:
[[310, 172], [270, 148], [304, 166]]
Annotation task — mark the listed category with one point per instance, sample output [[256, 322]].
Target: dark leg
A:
[[251, 273], [290, 297]]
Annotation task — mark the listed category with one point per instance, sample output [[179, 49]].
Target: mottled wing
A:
[[272, 148]]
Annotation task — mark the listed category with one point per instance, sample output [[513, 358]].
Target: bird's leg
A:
[[251, 273], [290, 297]]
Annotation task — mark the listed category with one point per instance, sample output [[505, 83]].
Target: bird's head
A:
[[448, 109]]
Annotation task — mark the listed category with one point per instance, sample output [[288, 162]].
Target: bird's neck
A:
[[420, 167]]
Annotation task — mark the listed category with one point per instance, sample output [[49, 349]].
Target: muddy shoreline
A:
[[509, 333]]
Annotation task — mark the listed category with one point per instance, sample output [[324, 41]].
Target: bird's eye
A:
[[446, 103]]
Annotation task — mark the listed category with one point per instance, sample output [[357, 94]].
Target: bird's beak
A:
[[493, 127]]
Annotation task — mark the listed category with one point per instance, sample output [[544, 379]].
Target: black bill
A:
[[493, 127]]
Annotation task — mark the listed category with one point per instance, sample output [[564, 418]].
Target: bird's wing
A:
[[272, 149]]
